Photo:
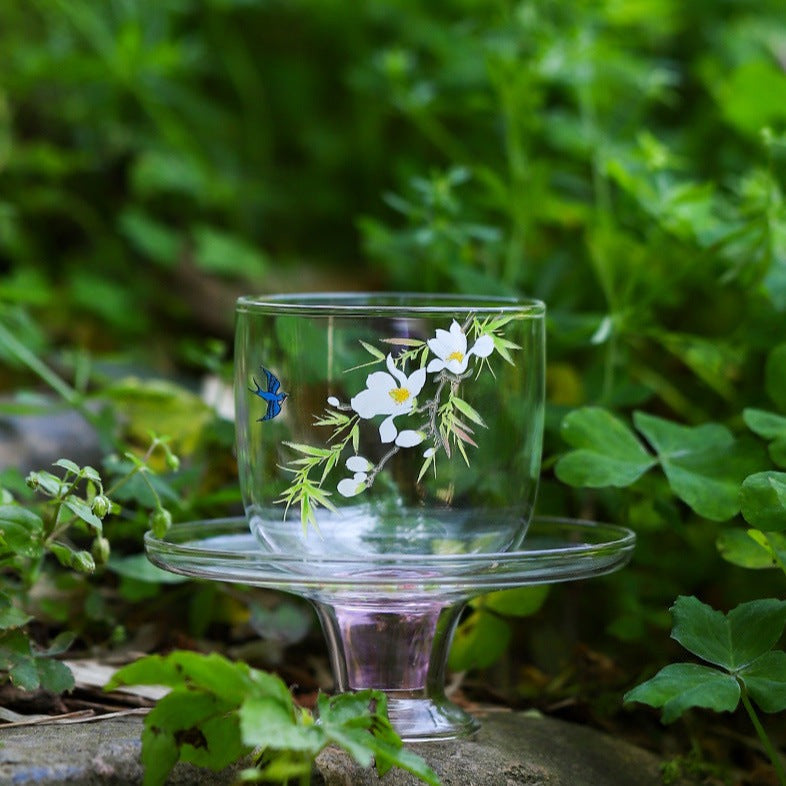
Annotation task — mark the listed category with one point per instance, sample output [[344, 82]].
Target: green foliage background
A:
[[625, 161]]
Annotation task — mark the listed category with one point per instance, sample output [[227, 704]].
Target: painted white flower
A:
[[390, 394], [351, 487], [450, 347], [333, 401], [409, 438]]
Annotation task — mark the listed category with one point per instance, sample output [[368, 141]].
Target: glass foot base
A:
[[388, 619], [429, 719]]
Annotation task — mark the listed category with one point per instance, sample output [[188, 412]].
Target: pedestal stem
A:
[[400, 649]]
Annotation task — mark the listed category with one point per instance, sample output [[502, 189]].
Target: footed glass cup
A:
[[371, 426]]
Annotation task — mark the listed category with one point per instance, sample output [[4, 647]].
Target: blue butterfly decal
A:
[[272, 396]]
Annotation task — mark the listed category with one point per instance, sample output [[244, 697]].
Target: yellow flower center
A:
[[459, 356], [399, 395]]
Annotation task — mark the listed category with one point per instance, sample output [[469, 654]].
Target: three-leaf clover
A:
[[744, 666], [705, 465]]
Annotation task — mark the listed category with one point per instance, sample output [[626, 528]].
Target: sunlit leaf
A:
[[740, 548]]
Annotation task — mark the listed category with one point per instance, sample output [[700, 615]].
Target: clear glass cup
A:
[[379, 424]]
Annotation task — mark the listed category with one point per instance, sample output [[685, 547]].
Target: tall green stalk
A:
[[763, 738]]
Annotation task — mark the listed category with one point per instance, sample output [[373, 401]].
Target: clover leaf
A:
[[771, 427], [730, 640], [705, 465], [740, 645], [763, 500], [608, 453], [680, 686]]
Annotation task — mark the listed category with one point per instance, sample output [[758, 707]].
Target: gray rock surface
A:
[[515, 748], [510, 749], [34, 441], [100, 753]]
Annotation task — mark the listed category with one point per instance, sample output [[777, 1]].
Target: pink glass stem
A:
[[390, 649], [401, 649]]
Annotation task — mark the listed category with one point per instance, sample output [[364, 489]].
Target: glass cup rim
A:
[[381, 303]]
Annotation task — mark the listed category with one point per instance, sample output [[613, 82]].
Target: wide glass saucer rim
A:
[[350, 303], [623, 540]]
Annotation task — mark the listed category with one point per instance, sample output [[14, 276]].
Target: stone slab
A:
[[511, 748]]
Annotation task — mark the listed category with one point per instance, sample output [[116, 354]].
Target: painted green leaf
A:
[[775, 373], [763, 500], [705, 465], [765, 680], [607, 452], [680, 686], [730, 640], [479, 642], [463, 407], [737, 546]]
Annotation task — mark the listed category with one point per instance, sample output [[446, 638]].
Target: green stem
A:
[[765, 740]]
